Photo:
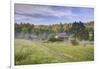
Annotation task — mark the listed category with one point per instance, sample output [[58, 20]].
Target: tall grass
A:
[[38, 52]]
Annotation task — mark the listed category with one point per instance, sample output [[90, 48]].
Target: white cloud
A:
[[24, 18], [42, 10]]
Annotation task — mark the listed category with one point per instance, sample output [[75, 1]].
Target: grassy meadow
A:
[[40, 52]]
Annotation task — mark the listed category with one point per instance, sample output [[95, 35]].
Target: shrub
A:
[[51, 37], [74, 42]]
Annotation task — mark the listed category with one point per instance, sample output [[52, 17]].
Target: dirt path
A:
[[55, 51]]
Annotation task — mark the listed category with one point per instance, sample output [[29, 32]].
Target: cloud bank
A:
[[45, 14]]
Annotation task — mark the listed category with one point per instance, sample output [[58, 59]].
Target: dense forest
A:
[[79, 30]]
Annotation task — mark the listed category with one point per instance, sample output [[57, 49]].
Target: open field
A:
[[39, 52]]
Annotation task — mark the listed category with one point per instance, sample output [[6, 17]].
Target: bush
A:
[[52, 38], [74, 42]]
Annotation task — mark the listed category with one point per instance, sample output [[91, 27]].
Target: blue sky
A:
[[46, 14]]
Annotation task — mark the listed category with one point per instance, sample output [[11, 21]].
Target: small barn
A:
[[63, 36]]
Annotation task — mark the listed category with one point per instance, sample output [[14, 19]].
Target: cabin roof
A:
[[62, 34]]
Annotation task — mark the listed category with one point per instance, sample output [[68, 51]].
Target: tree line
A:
[[79, 30]]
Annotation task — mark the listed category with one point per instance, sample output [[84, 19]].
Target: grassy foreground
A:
[[38, 52]]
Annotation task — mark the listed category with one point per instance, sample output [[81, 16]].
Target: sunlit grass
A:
[[38, 52]]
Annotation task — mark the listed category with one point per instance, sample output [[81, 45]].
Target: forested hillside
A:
[[80, 30]]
